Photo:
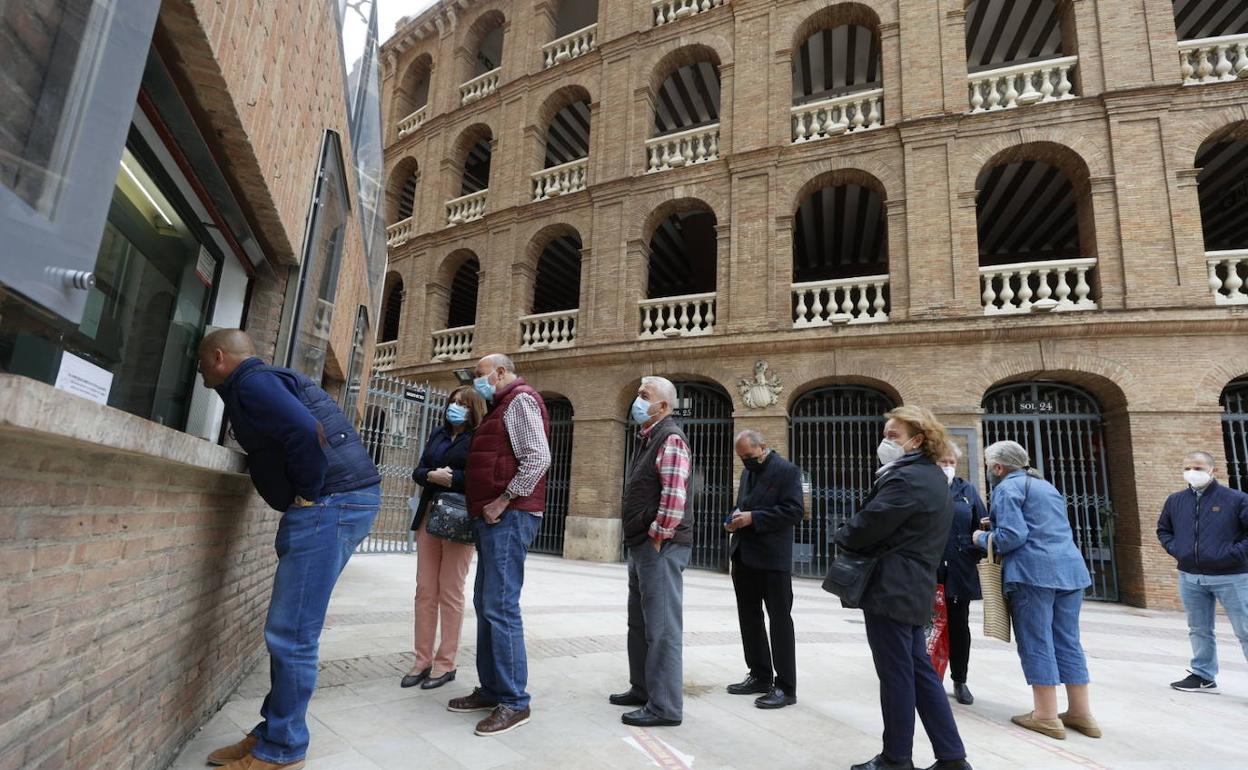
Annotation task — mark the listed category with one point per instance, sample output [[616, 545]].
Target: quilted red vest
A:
[[492, 462]]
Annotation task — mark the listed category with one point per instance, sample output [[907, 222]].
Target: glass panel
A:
[[355, 371]]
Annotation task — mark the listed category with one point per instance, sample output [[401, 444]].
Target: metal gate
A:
[[558, 480], [1061, 427], [704, 413], [398, 417], [833, 434], [1235, 433]]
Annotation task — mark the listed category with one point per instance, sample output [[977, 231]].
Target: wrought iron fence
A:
[[558, 480], [1235, 433]]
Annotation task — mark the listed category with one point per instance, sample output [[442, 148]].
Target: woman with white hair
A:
[[957, 571], [1044, 576]]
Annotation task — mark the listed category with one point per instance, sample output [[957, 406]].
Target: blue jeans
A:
[[502, 665], [1046, 627], [313, 545], [1200, 595]]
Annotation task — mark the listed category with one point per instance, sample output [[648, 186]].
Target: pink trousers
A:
[[441, 573]]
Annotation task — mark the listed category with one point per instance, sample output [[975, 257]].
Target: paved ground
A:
[[575, 624]]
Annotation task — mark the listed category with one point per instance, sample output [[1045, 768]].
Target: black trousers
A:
[[773, 589], [908, 682], [959, 637]]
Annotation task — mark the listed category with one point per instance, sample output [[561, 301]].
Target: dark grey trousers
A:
[[656, 592]]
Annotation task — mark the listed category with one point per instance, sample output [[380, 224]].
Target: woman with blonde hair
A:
[[903, 525]]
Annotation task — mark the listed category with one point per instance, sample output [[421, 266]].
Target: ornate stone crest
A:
[[760, 391]]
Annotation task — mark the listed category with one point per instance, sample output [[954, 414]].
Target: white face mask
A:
[[889, 451], [1197, 479], [949, 471]]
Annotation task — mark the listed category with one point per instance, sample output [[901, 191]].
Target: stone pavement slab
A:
[[574, 615]]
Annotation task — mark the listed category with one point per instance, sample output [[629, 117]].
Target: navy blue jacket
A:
[[454, 457], [1208, 536], [297, 440], [957, 567]]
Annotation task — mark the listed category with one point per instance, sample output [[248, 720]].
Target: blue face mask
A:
[[640, 411], [456, 414], [483, 386]]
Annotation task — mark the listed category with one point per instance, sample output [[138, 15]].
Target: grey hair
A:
[[1010, 454], [663, 388], [754, 437], [495, 360], [953, 450], [1201, 455]]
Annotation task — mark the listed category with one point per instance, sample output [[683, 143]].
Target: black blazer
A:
[[775, 500], [909, 510], [456, 459]]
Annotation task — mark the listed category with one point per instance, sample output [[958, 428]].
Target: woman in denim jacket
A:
[[1044, 576]]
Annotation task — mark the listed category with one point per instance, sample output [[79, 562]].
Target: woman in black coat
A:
[[957, 572], [905, 522]]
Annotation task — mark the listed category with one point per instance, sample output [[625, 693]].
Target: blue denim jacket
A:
[[1035, 536]]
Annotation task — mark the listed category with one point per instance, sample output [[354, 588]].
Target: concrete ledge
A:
[[32, 407]]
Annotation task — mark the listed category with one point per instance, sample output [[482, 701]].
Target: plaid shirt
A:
[[523, 421], [674, 464]]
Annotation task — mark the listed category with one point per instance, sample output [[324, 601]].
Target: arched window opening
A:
[[1019, 53], [840, 257], [1222, 186]]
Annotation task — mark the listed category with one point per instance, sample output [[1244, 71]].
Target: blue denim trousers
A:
[[1046, 628], [502, 664], [313, 545], [1201, 594]]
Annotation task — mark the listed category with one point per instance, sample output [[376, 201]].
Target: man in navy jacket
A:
[[1205, 528], [306, 460]]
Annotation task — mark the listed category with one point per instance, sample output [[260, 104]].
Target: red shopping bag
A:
[[938, 633]]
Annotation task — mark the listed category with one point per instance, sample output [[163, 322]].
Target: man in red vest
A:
[[506, 490]]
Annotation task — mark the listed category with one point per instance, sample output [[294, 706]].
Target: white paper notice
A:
[[83, 378]]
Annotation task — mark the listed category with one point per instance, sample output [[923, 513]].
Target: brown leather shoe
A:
[[1083, 724], [251, 763], [233, 753], [473, 702], [1050, 727], [502, 720]]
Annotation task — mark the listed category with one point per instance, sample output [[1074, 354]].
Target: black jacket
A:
[[456, 459], [1206, 535], [775, 500], [909, 511], [957, 567]]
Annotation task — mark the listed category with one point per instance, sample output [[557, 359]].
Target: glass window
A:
[[355, 371]]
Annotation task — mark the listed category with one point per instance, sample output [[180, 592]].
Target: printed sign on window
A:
[[83, 378]]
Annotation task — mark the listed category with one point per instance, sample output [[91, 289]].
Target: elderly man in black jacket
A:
[[905, 522], [769, 505]]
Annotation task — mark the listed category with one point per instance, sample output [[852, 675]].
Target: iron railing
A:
[[558, 480], [1235, 433]]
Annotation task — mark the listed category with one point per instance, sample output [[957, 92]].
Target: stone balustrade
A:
[[559, 180], [1213, 59], [667, 11], [454, 343], [840, 114], [1228, 272], [690, 315], [400, 232], [1022, 84], [570, 46], [684, 148], [548, 330], [1055, 285], [841, 301], [412, 122], [385, 356], [479, 87], [465, 208]]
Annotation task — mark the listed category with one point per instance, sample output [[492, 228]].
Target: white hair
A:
[[1009, 454], [495, 360], [663, 388], [754, 437], [953, 450], [1204, 457]]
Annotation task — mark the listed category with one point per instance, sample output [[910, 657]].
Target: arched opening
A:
[[463, 305], [704, 412], [473, 154], [391, 309], [1037, 242], [401, 194], [454, 297], [680, 281], [686, 101], [1234, 403], [1205, 56], [482, 55], [574, 15], [837, 80], [1020, 53], [840, 253], [558, 479], [1222, 186], [1061, 427], [412, 97], [566, 150], [573, 30], [833, 434], [556, 294]]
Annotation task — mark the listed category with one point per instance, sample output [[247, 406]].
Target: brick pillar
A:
[[781, 270], [437, 304], [1108, 245], [965, 229], [592, 530], [772, 422], [1189, 240], [934, 292], [898, 260], [921, 43], [890, 68], [953, 87], [756, 100], [523, 279], [1086, 39], [1137, 49]]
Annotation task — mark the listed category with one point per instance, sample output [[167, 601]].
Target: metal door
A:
[[1235, 433], [1061, 427], [558, 480], [704, 413], [398, 417], [833, 434]]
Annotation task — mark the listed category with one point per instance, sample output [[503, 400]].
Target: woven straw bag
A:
[[996, 609]]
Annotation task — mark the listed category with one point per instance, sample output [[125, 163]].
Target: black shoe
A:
[[951, 764], [962, 693], [1195, 683], [434, 682], [411, 680], [751, 685], [632, 697], [643, 718], [881, 762], [776, 699]]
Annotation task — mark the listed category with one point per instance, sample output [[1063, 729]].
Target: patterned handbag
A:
[[996, 609], [448, 519]]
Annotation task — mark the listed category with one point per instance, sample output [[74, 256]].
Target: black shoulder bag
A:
[[448, 519], [849, 575]]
